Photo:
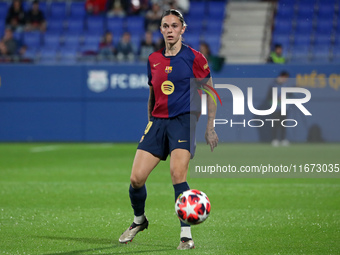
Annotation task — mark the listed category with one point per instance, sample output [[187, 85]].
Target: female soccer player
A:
[[172, 118]]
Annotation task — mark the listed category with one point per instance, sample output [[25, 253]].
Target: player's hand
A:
[[211, 138]]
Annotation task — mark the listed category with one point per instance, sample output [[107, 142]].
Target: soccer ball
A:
[[192, 207]]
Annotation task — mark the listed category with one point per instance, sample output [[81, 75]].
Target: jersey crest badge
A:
[[168, 69]]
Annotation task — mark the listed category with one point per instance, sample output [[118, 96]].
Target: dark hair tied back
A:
[[176, 13]]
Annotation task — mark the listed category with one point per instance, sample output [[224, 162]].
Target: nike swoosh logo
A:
[[182, 141], [154, 65]]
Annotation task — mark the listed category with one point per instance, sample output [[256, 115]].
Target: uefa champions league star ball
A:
[[192, 207]]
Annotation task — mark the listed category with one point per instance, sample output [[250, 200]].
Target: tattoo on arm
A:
[[211, 109]]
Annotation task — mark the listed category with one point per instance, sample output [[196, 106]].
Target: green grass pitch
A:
[[73, 199]]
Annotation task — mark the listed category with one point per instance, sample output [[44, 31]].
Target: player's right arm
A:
[[151, 102]]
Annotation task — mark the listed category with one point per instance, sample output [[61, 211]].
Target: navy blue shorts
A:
[[162, 136]]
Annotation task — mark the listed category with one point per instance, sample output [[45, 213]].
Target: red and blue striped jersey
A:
[[170, 79]]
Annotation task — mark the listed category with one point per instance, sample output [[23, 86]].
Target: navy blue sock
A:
[[138, 197], [179, 189]]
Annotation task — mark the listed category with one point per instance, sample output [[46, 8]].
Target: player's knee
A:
[[178, 176], [136, 182]]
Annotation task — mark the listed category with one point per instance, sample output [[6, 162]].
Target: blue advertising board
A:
[[108, 103]]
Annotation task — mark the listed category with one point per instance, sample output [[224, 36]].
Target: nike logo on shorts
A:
[[182, 141]]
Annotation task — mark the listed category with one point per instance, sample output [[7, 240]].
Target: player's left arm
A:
[[202, 72], [210, 134]]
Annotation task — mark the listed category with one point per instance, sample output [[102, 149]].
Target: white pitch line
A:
[[44, 148]]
